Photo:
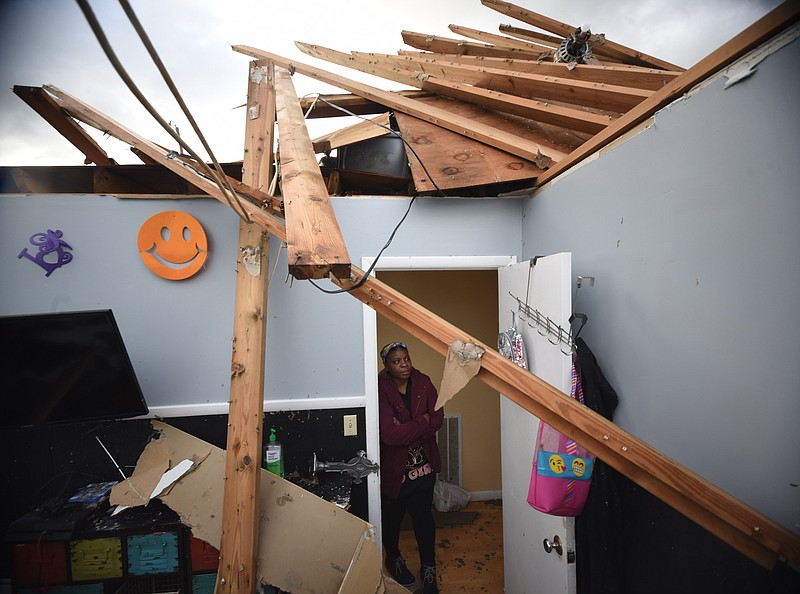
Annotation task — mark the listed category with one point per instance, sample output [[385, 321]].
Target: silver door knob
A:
[[553, 545]]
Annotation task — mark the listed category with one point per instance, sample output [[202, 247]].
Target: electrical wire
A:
[[396, 133], [175, 93], [94, 24]]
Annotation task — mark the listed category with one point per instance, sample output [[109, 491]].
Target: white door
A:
[[528, 567]]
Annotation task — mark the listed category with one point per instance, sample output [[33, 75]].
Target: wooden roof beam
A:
[[556, 115], [550, 41], [315, 244], [265, 216], [606, 47], [624, 75], [498, 40], [448, 45], [590, 94], [44, 105], [511, 143]]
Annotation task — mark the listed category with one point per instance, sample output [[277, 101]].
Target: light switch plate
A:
[[350, 425]]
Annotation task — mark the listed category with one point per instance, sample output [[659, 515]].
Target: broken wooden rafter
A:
[[44, 105], [759, 32], [238, 550], [550, 41], [604, 96], [448, 45], [498, 40], [602, 48], [623, 75], [85, 113], [557, 115], [315, 245], [510, 143]]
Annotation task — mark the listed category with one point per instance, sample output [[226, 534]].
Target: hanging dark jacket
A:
[[413, 429], [598, 529]]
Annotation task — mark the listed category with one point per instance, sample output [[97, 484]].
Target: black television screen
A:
[[66, 367]]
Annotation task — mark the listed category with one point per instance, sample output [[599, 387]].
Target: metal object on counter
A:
[[358, 468]]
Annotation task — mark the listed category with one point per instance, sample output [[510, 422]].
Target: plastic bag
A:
[[449, 497]]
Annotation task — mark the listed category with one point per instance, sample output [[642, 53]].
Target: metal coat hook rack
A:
[[555, 334]]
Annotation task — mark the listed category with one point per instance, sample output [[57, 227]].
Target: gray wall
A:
[[690, 229], [178, 333]]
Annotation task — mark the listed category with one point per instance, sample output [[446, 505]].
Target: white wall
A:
[[690, 229]]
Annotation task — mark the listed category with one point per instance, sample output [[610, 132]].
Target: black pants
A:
[[417, 500]]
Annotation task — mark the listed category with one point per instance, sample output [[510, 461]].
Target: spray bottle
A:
[[273, 454]]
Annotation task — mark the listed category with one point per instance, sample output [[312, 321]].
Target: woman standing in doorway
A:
[[409, 461]]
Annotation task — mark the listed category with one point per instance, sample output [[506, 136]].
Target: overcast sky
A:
[[50, 42]]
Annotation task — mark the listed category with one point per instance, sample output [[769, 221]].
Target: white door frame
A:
[[371, 348]]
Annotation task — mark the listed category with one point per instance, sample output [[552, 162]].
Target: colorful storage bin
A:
[[96, 559], [204, 556], [40, 564], [204, 583], [153, 553]]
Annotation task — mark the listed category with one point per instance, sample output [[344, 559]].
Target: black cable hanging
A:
[[123, 74]]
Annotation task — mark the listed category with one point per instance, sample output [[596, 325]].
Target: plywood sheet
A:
[[456, 162]]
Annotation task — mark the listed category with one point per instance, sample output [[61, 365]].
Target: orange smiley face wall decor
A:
[[173, 244]]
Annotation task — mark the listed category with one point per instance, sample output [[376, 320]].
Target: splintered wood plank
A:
[[372, 128], [623, 75], [604, 47], [454, 161], [498, 40], [448, 45], [315, 244], [560, 115], [238, 550], [596, 95], [522, 147], [44, 105]]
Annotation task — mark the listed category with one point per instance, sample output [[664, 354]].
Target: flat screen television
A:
[[66, 367]]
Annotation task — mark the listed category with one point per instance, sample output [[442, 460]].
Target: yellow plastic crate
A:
[[96, 559]]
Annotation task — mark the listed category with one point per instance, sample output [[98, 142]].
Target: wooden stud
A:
[[315, 245], [499, 41], [240, 519], [365, 130]]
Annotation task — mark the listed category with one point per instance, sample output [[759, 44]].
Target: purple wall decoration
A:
[[47, 244]]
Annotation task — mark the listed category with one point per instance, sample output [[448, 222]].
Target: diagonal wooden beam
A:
[[315, 244], [238, 550], [604, 47], [364, 130], [455, 87], [596, 95], [319, 106], [87, 114], [448, 45], [44, 105], [623, 75], [498, 40], [550, 41], [762, 30], [510, 143]]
